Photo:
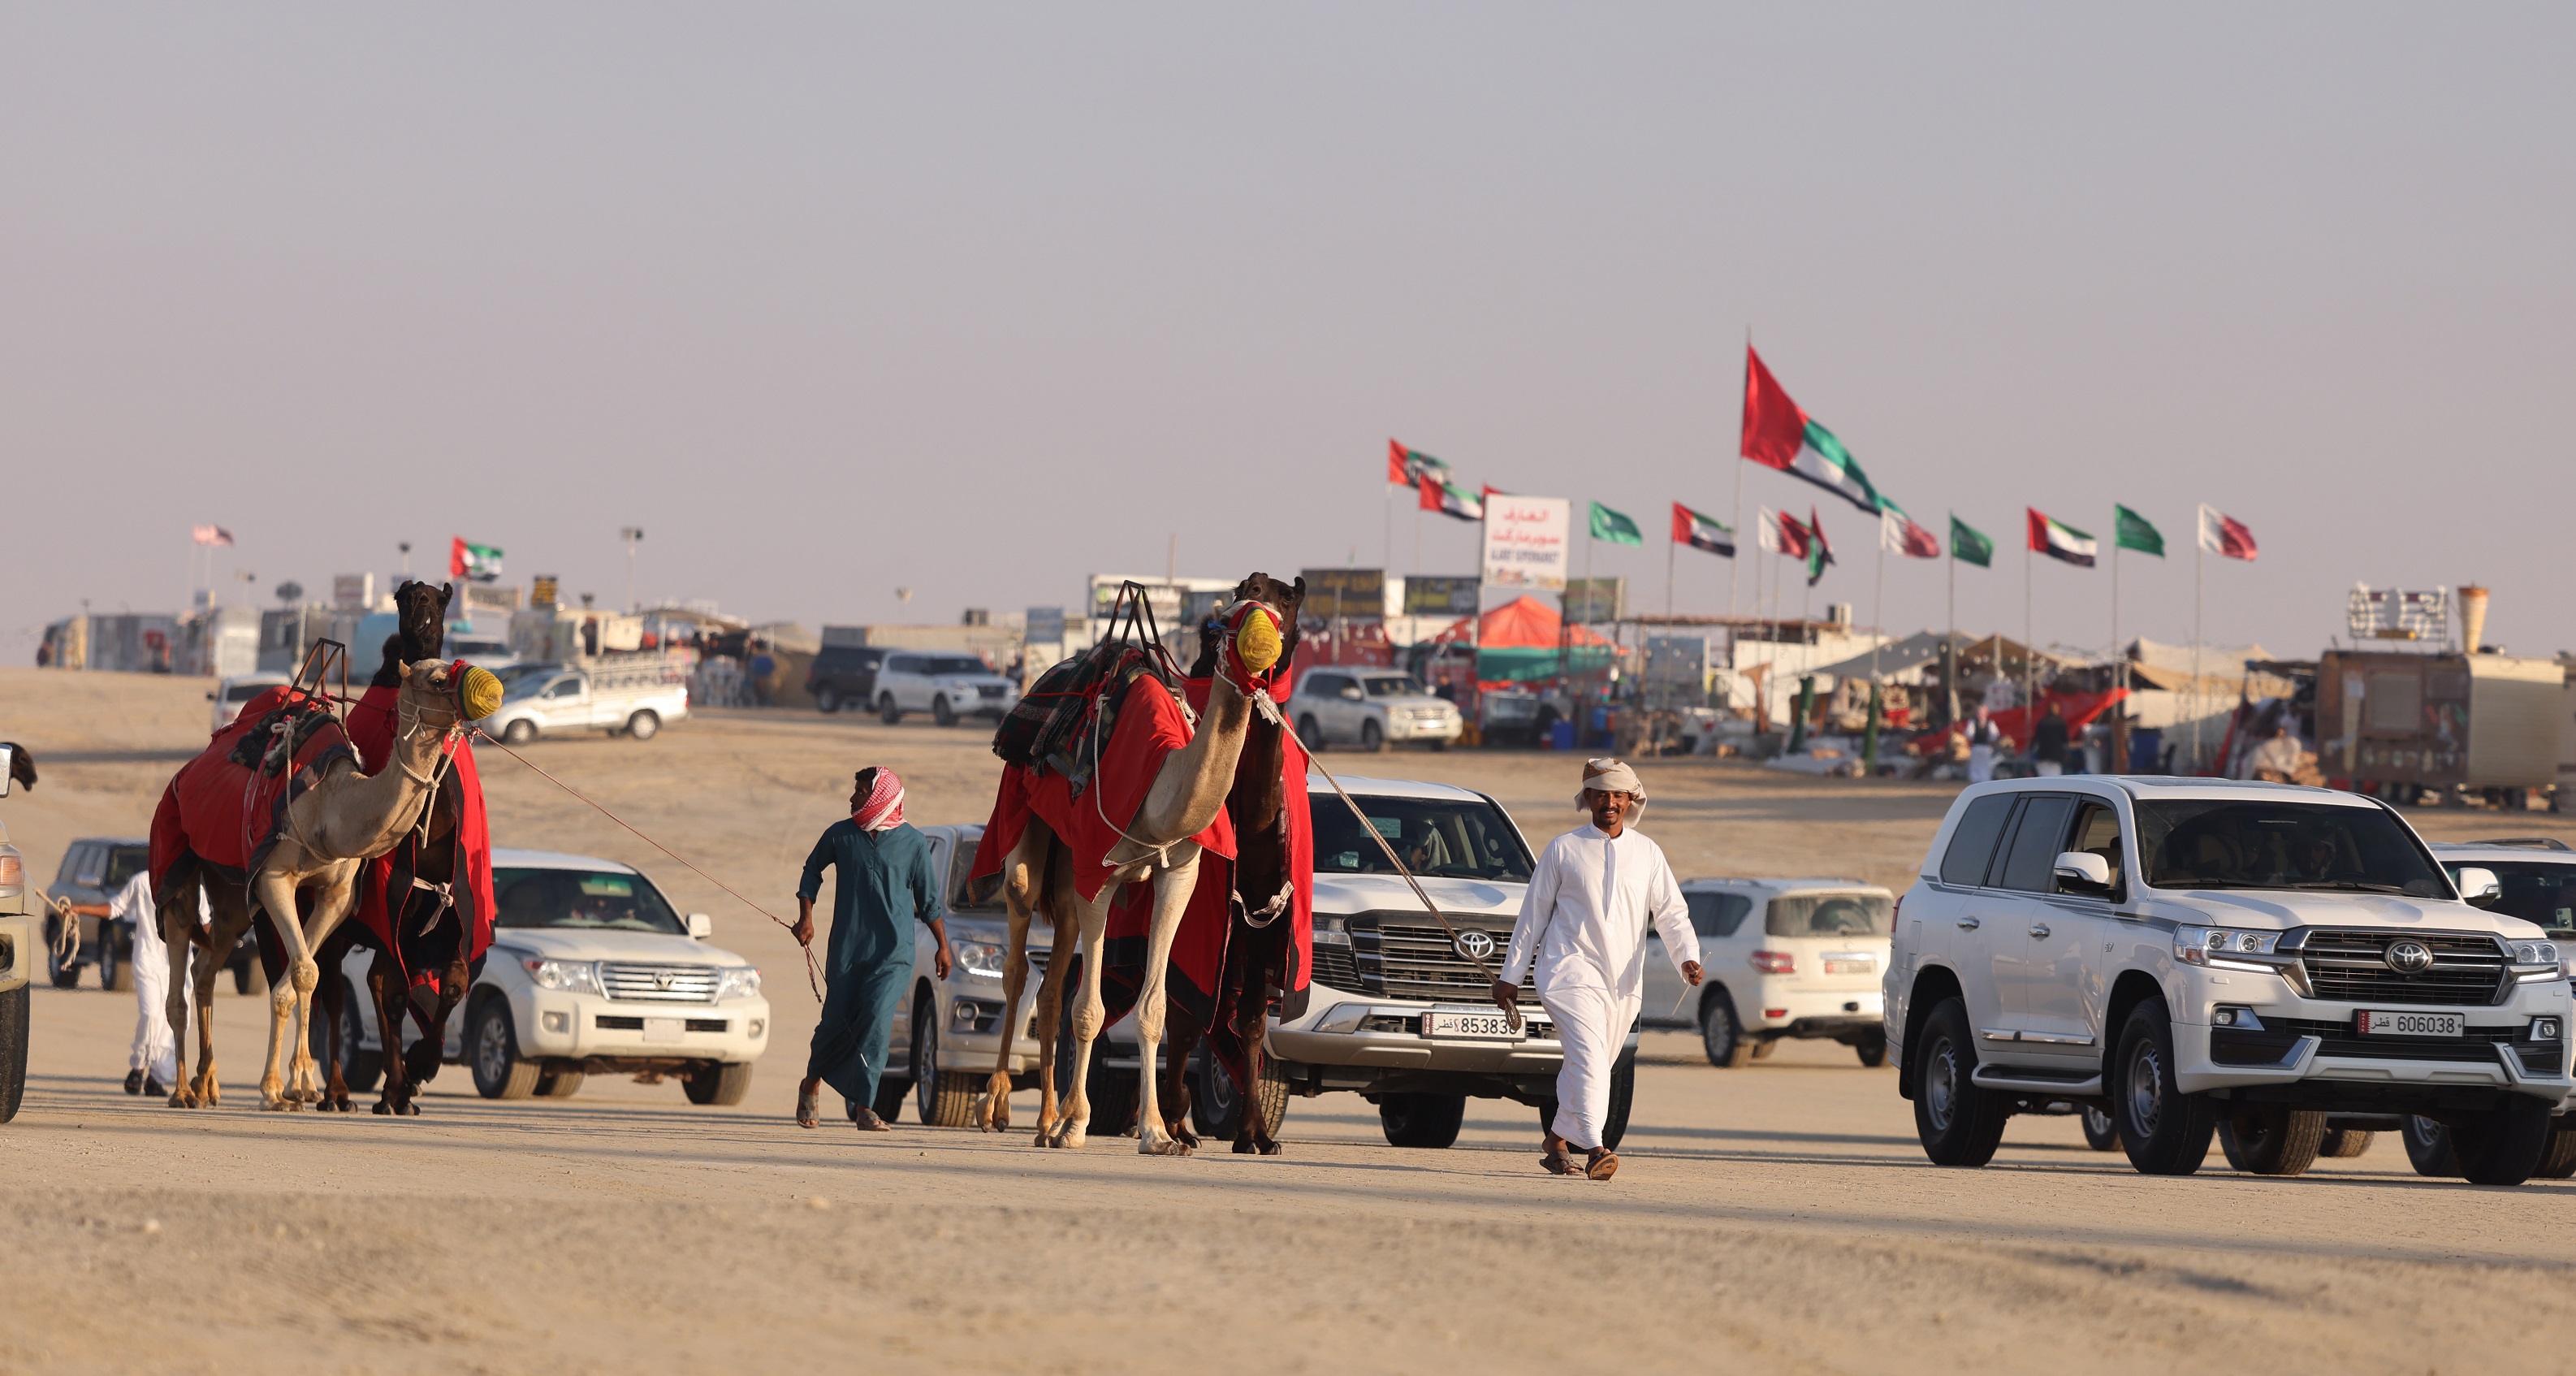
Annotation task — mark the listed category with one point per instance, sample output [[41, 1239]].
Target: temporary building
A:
[[1523, 641]]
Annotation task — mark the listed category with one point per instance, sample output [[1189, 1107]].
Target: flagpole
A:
[[2199, 523], [1734, 572], [1669, 552], [2029, 675], [1878, 600], [1390, 525], [1950, 637]]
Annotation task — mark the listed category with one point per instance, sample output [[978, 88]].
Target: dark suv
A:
[[844, 675]]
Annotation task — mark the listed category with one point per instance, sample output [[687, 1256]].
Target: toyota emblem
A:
[[1476, 945], [661, 979], [2409, 957]]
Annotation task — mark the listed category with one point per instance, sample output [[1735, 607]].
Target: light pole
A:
[[405, 547], [632, 535]]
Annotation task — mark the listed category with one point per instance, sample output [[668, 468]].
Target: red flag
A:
[[213, 535], [1398, 471], [2225, 535], [1774, 427]]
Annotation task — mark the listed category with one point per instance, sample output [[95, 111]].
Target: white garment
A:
[[1981, 764], [156, 1046], [1583, 929], [2047, 769]]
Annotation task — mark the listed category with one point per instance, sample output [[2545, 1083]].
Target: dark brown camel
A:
[[1257, 948]]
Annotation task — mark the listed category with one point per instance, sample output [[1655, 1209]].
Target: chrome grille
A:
[[1408, 956], [1334, 967], [2352, 966], [659, 983]]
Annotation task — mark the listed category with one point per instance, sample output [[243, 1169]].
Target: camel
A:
[[340, 821], [1188, 791]]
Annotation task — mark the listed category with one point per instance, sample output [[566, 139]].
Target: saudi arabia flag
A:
[[481, 563], [1700, 532], [1615, 527], [1779, 435], [1449, 499], [2058, 540], [2133, 531], [1969, 543]]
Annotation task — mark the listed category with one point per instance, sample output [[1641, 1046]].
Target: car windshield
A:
[[585, 900], [1393, 686], [954, 664], [244, 692], [1829, 914], [1448, 838], [2216, 843], [2541, 893], [965, 893], [123, 863]]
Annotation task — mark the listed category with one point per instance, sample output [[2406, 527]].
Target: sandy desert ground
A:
[[1777, 1218]]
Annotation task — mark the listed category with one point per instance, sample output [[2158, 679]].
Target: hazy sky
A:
[[980, 301]]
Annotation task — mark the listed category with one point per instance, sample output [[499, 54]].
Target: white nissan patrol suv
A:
[[2193, 955]]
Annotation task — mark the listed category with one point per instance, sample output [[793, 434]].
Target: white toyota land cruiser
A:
[[2202, 954]]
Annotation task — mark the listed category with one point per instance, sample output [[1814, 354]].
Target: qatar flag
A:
[[2225, 534]]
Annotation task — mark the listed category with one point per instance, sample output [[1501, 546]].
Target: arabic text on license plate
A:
[[662, 1030], [2380, 1023], [1441, 1023], [1850, 965]]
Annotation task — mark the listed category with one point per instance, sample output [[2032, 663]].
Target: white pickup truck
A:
[[633, 702]]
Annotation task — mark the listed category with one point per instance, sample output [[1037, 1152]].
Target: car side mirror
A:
[[2479, 885], [210, 697], [8, 761], [701, 926], [2081, 871]]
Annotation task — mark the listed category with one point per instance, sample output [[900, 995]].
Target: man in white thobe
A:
[[153, 1065], [1583, 929]]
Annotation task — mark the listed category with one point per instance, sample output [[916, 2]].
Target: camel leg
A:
[[385, 985], [1171, 899], [175, 937], [1049, 1015], [339, 893], [1090, 1015], [274, 893], [331, 999], [1252, 1025], [204, 1091], [1022, 873], [1185, 1037]]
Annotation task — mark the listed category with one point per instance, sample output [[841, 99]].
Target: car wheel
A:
[[64, 975], [941, 712], [1309, 734], [519, 732], [499, 1071], [1372, 737], [1623, 1094], [888, 713], [945, 1098], [1722, 1037], [115, 968], [2428, 1148], [249, 976], [1428, 1121], [826, 701], [2503, 1146], [1872, 1050], [2344, 1143], [2100, 1133], [643, 726], [13, 1048], [2272, 1139], [717, 1084], [2165, 1131], [1216, 1106], [563, 1084], [2559, 1162], [1958, 1123]]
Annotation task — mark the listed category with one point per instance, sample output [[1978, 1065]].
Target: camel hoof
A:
[[1159, 1145], [383, 1109], [409, 1110], [182, 1099]]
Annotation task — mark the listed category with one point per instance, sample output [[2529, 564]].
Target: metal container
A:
[[2439, 721]]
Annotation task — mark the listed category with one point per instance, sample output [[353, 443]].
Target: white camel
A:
[[330, 831]]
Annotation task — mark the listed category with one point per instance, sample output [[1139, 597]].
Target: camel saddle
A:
[[1058, 726], [225, 807]]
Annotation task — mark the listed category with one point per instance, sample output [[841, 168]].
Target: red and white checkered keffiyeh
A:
[[883, 809]]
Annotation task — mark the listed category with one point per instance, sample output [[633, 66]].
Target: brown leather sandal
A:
[[809, 1109], [1601, 1164], [868, 1121], [1557, 1162]]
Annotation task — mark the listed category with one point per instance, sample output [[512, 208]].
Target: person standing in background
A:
[[2048, 742], [884, 884], [1983, 737], [153, 1064]]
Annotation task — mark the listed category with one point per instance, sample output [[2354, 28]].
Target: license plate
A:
[[662, 1030], [1851, 965], [1493, 1023], [2376, 1023]]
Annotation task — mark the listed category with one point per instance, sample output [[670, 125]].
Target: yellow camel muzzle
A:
[[478, 693], [1256, 641]]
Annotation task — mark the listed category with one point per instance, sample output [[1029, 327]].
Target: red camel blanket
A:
[[421, 946]]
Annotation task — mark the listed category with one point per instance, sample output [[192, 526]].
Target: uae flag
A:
[[1449, 499], [1699, 532], [1898, 534], [2225, 534], [2058, 540], [1779, 435], [480, 563], [1405, 467]]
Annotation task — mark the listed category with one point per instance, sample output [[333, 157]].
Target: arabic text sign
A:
[[1525, 541]]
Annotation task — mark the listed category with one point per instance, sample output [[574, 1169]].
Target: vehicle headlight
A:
[[980, 958], [2535, 953], [2204, 945], [737, 982], [562, 974]]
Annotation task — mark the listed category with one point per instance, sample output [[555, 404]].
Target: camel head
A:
[[422, 612], [1262, 627]]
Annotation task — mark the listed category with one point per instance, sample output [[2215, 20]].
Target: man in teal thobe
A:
[[884, 884]]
